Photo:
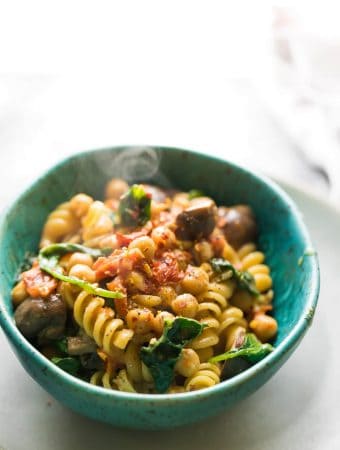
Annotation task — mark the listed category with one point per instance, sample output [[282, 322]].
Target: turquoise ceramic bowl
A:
[[283, 237]]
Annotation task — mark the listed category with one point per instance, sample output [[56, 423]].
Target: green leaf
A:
[[182, 330], [70, 365], [195, 193], [252, 350], [49, 262], [244, 280], [65, 247], [61, 345], [134, 207], [161, 356]]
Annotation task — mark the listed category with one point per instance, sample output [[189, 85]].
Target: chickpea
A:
[[195, 280], [116, 188], [163, 237], [204, 251], [160, 319], [135, 281], [140, 320], [109, 241], [265, 327], [167, 294], [146, 245], [80, 204], [19, 293], [83, 272], [64, 260], [185, 305], [79, 258], [188, 363], [57, 227]]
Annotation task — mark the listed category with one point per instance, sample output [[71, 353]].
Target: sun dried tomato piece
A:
[[106, 267], [167, 270], [121, 306], [120, 263], [38, 283], [217, 241], [124, 239]]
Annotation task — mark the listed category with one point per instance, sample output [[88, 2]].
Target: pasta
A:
[[148, 290], [97, 222], [60, 223], [206, 376], [100, 323]]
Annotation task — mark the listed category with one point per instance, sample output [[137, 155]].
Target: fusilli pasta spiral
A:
[[100, 323], [207, 375], [59, 224], [97, 222]]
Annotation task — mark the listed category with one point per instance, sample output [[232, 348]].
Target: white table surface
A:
[[43, 119]]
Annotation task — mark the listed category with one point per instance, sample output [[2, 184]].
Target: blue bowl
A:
[[283, 237]]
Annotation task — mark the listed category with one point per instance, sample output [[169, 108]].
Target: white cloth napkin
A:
[[303, 91]]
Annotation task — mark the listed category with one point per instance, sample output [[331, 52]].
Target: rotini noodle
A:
[[207, 375], [107, 380], [60, 223], [229, 319], [212, 302], [97, 222], [100, 323], [252, 261]]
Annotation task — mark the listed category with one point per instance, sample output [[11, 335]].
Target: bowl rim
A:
[[286, 346]]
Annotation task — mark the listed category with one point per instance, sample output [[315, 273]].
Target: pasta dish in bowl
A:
[[166, 296]]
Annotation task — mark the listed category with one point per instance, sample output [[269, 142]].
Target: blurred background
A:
[[253, 82]]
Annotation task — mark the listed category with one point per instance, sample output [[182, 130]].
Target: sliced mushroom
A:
[[80, 345], [198, 220], [42, 318], [238, 224], [234, 366]]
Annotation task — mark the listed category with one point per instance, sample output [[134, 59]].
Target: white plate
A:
[[297, 409]]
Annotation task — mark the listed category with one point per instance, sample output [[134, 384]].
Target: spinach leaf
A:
[[70, 365], [134, 207], [244, 280], [61, 345], [65, 247], [161, 356], [49, 262], [194, 193], [252, 350]]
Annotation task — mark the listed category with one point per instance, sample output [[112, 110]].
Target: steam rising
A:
[[132, 164], [137, 163]]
